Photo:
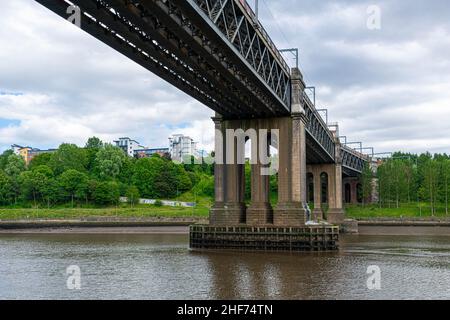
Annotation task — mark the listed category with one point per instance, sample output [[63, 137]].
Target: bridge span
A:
[[217, 52]]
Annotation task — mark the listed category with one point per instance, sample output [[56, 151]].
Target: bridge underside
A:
[[178, 43]]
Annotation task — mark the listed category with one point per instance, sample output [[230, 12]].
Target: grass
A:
[[404, 211], [121, 211]]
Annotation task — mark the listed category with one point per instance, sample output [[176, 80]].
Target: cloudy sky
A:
[[388, 87]]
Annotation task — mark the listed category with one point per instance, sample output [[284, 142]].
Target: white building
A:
[[182, 146], [16, 149], [128, 145]]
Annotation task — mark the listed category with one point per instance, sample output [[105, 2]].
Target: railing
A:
[[259, 27], [318, 128]]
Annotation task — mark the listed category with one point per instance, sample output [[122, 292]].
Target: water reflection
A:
[[161, 267]]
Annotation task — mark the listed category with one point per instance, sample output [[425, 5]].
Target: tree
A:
[[6, 188], [145, 174], [68, 157], [4, 158], [183, 181], [28, 185], [446, 183], [133, 195], [430, 183], [109, 161], [47, 188], [107, 193], [40, 160], [205, 187], [73, 184], [366, 182], [94, 143], [15, 165], [49, 191]]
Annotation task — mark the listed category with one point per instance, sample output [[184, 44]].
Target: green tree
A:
[[145, 174], [49, 191], [94, 143], [6, 189], [446, 183], [15, 165], [205, 187], [4, 158], [40, 160], [183, 181], [109, 161], [366, 182], [430, 183], [28, 186], [73, 184], [133, 195], [68, 157], [107, 193]]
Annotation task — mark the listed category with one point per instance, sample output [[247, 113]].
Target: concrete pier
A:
[[261, 226]]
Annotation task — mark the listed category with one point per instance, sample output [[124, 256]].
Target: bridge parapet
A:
[[352, 160], [238, 25], [318, 130]]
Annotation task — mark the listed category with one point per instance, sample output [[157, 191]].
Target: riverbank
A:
[[108, 213], [159, 230], [94, 224], [180, 225]]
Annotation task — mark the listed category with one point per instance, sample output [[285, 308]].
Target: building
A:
[[182, 146], [28, 153], [16, 149], [129, 146], [147, 153]]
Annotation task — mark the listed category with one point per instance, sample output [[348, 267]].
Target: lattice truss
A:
[[236, 22], [318, 130], [178, 42], [353, 161], [214, 50]]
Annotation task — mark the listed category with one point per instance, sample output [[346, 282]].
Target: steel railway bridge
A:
[[217, 52]]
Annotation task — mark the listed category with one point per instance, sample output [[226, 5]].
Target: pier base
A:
[[245, 238]]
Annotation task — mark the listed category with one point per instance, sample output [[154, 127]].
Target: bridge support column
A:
[[260, 211], [290, 210], [335, 212], [317, 212], [229, 207]]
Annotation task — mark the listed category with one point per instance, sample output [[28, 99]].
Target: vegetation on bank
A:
[[97, 176], [404, 211], [107, 212], [83, 182], [420, 181]]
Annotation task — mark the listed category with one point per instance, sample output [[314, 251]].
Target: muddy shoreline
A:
[[181, 226]]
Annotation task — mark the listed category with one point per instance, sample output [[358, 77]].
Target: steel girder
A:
[[353, 161], [240, 28], [157, 36], [210, 49]]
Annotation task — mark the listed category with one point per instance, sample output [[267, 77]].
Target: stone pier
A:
[[232, 223]]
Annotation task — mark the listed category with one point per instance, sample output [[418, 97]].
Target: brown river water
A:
[[160, 266]]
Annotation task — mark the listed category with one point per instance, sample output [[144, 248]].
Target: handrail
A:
[[264, 34]]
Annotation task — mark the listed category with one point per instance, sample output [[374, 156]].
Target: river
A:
[[160, 266]]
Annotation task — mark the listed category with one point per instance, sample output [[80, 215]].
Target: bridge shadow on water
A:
[[256, 275]]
